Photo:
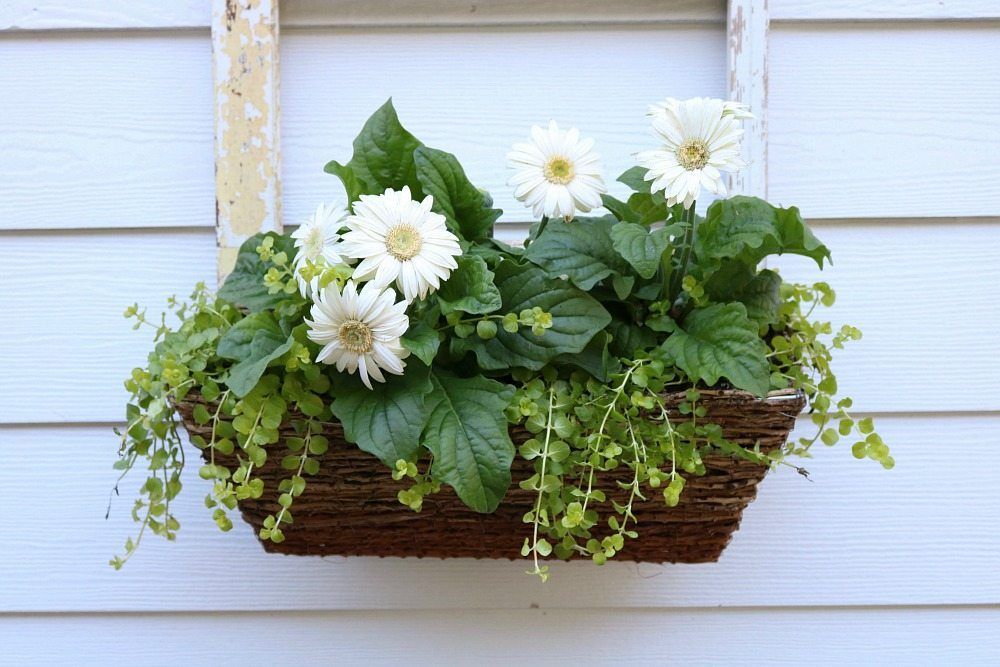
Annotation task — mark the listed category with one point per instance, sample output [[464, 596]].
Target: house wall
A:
[[884, 127]]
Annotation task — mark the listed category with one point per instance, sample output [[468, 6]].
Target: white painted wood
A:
[[128, 14], [747, 43], [65, 346], [868, 122], [924, 294], [475, 93], [247, 122], [116, 173], [115, 14], [895, 280], [926, 532], [921, 636], [131, 14], [883, 10], [503, 12], [122, 138], [885, 121]]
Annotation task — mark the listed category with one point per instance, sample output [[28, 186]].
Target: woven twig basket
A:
[[350, 508]]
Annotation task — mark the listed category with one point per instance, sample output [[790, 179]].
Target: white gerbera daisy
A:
[[557, 173], [359, 331], [399, 239], [737, 110], [316, 241], [701, 139]]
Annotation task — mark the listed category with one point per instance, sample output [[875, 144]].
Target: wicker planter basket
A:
[[350, 507]]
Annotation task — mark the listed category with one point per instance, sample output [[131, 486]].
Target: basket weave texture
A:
[[350, 508]]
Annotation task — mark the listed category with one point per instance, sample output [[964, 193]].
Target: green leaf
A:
[[245, 285], [627, 338], [649, 208], [635, 178], [749, 229], [383, 157], [469, 211], [622, 285], [580, 249], [595, 358], [254, 342], [467, 433], [641, 247], [469, 288], [422, 341], [353, 185], [759, 292], [619, 209], [720, 341], [387, 419], [576, 317]]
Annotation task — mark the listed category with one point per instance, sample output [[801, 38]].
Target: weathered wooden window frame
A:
[[246, 68]]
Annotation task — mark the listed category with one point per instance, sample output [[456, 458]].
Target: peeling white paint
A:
[[747, 42], [247, 185]]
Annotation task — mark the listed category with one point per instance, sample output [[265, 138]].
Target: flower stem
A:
[[677, 277], [541, 228]]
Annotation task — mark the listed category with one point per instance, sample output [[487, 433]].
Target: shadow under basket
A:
[[350, 508]]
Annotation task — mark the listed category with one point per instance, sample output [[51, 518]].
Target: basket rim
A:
[[773, 396]]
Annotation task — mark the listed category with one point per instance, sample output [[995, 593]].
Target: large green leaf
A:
[[580, 249], [719, 341], [245, 285], [467, 433], [576, 317], [387, 419], [383, 157], [253, 342], [469, 288], [642, 248], [759, 292], [749, 229], [469, 211]]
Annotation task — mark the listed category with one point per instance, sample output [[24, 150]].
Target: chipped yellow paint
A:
[[245, 62]]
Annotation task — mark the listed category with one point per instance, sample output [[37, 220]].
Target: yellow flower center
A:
[[356, 336], [693, 154], [559, 170], [403, 242]]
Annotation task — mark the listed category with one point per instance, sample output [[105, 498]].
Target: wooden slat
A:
[[247, 123], [475, 93], [132, 14], [894, 280], [923, 533], [129, 14], [123, 138], [747, 43], [924, 295], [913, 636], [358, 13], [885, 121], [68, 349], [883, 10], [103, 14]]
